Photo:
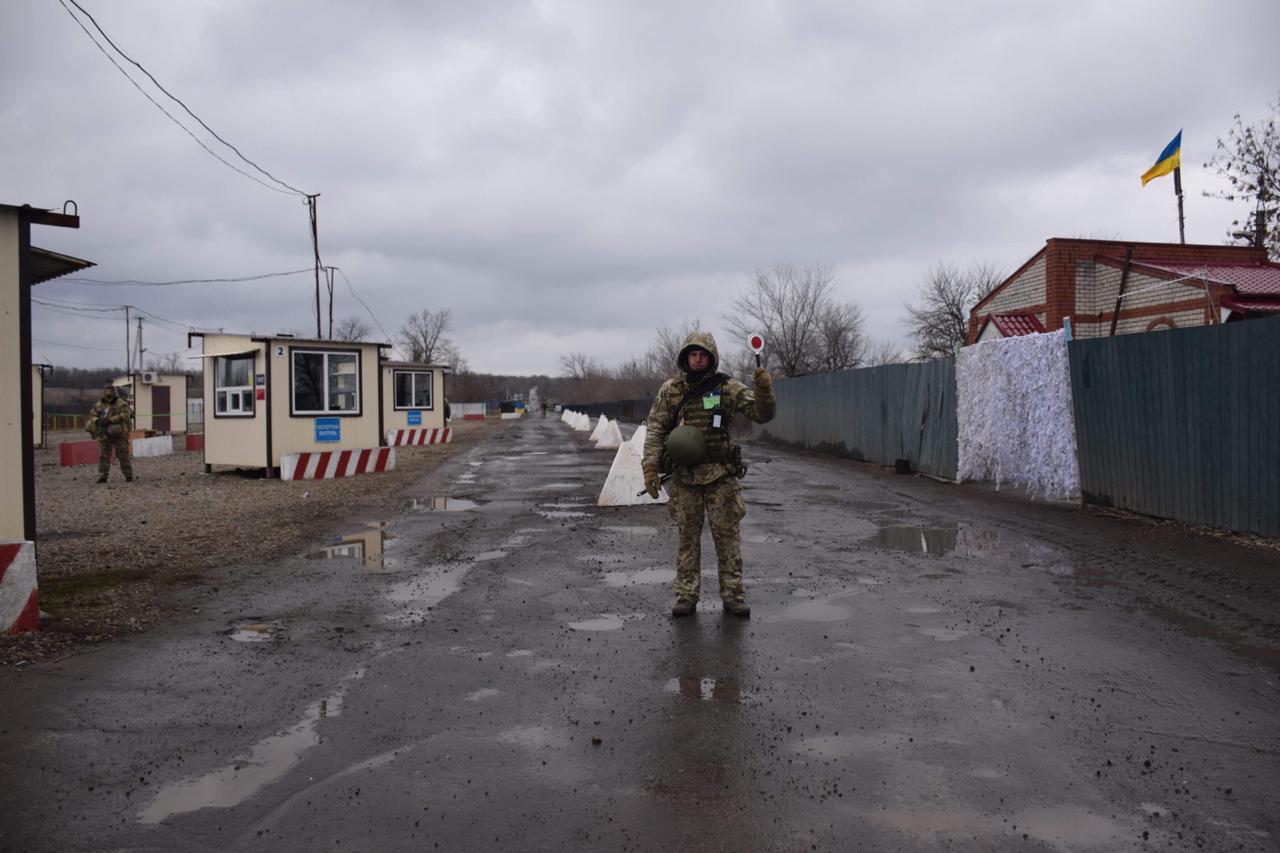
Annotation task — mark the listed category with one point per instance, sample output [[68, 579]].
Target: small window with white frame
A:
[[233, 386], [325, 382], [412, 389]]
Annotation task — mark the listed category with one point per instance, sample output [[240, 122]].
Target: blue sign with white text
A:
[[415, 417], [328, 430]]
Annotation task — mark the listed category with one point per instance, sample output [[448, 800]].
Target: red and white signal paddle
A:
[[756, 343]]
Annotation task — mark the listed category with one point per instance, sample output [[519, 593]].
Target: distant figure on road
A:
[[688, 435], [109, 423], [543, 407]]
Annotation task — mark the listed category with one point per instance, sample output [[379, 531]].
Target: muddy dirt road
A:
[[493, 668]]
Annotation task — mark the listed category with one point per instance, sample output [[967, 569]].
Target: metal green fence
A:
[[1183, 423], [875, 414]]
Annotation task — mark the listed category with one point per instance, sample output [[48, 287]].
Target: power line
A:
[[133, 282], [175, 99], [74, 346], [362, 302]]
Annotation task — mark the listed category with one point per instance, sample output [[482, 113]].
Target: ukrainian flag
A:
[[1170, 158]]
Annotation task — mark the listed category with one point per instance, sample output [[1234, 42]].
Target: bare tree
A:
[[938, 320], [883, 352], [1249, 158], [169, 362], [424, 338], [351, 329], [795, 310], [580, 366]]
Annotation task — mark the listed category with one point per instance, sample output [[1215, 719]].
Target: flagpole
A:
[[1177, 189]]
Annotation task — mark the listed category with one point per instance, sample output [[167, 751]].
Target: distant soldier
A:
[[689, 431], [543, 405], [109, 423]]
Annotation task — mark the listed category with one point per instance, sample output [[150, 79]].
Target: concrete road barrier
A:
[[19, 599], [330, 464]]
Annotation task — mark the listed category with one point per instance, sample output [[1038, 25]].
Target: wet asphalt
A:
[[927, 667]]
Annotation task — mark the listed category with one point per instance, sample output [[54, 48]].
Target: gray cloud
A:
[[569, 175]]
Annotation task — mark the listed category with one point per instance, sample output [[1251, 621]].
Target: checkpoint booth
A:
[[413, 403], [298, 408], [22, 266], [159, 400]]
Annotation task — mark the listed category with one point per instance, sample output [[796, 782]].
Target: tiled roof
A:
[[1247, 279], [1253, 306], [1014, 325]]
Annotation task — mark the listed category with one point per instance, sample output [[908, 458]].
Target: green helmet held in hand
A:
[[686, 446]]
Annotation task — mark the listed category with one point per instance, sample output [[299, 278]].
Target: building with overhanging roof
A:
[[1113, 287]]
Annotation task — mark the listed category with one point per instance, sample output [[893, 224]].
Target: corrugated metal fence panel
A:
[[876, 414], [1183, 423], [629, 411]]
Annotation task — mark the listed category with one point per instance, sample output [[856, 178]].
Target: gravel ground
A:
[[110, 556]]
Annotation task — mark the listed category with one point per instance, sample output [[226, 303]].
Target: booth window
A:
[[326, 383], [233, 386], [413, 389]]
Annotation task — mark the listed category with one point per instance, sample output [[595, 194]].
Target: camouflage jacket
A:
[[730, 399], [116, 412]]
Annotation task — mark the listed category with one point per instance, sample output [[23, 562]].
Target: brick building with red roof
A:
[[1111, 287]]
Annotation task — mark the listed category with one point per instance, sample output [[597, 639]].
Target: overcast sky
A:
[[565, 176]]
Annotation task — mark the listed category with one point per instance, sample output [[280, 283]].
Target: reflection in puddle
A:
[[443, 503], [268, 760], [483, 693], [922, 608], [840, 746], [646, 576], [1073, 827], [365, 547], [816, 610], [256, 632], [705, 689], [603, 623], [632, 530], [485, 556], [918, 540], [425, 592], [562, 513]]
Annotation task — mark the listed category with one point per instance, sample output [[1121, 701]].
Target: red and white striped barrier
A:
[[19, 599], [434, 435], [329, 464]]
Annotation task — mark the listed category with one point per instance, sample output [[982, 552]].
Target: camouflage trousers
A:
[[721, 504], [120, 444]]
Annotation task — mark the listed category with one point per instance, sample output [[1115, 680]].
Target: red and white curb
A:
[[403, 437], [19, 599], [329, 464]]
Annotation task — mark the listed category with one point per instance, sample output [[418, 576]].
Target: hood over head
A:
[[701, 340]]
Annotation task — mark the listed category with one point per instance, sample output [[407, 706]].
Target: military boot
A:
[[684, 607], [102, 479], [737, 607]]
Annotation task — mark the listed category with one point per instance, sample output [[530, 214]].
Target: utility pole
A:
[[315, 245], [1177, 189], [141, 363], [329, 273], [128, 345]]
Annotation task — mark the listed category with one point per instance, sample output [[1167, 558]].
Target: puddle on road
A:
[[482, 694], [705, 689], [551, 487], [256, 632], [423, 593], [922, 608], [563, 505], [840, 746], [532, 737], [563, 513], [631, 529], [1072, 827], [444, 503], [520, 653], [944, 635], [605, 622], [267, 761], [816, 610], [485, 556], [934, 541], [646, 576], [365, 547]]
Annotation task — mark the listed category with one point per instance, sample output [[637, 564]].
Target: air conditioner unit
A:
[[149, 377]]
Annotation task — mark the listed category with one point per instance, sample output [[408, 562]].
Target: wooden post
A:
[[1177, 189]]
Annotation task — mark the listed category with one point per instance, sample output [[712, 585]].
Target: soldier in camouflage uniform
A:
[[109, 421], [699, 396]]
